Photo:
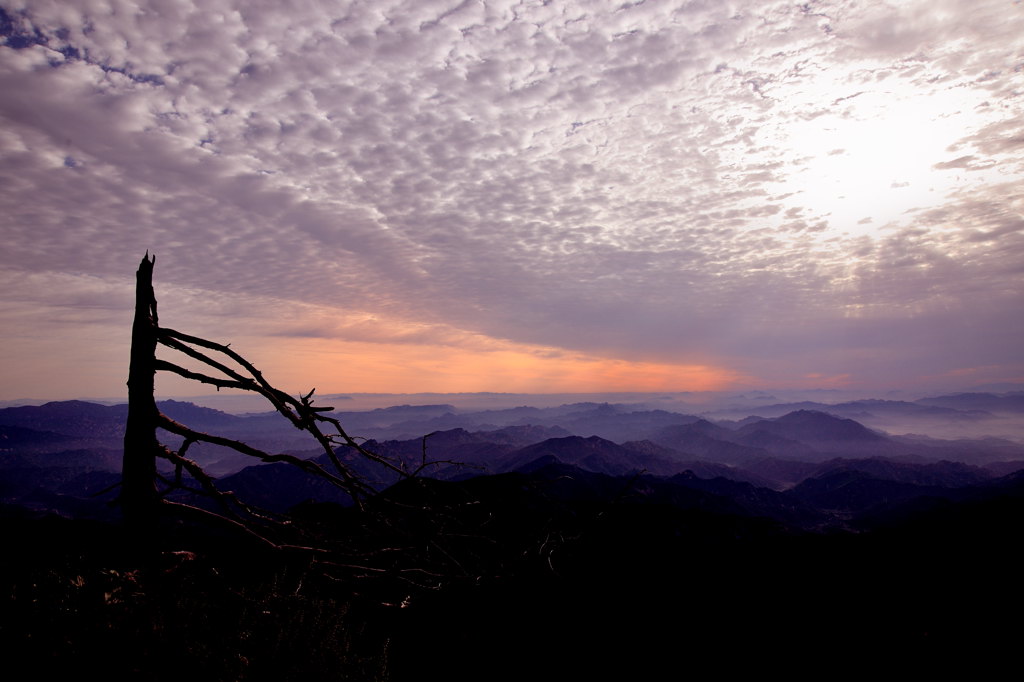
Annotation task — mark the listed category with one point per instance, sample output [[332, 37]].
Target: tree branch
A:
[[349, 483]]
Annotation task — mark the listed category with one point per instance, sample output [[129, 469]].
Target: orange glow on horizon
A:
[[362, 367], [819, 380]]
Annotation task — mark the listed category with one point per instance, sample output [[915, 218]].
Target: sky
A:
[[518, 195]]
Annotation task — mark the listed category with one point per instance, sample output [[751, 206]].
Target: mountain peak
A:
[[812, 425]]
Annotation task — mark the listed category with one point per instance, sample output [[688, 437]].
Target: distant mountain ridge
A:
[[827, 469]]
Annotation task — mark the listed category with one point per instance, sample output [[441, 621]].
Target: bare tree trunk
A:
[[138, 470]]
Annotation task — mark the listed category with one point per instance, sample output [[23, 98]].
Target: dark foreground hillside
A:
[[552, 575]]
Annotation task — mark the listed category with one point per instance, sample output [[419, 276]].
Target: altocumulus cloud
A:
[[775, 188]]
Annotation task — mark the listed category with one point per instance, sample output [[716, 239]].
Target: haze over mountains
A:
[[807, 463]]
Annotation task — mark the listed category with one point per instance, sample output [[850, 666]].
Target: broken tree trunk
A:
[[139, 499], [144, 491]]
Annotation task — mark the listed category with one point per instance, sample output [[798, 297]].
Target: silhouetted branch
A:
[[207, 486], [213, 516], [278, 398], [301, 413], [226, 368], [196, 376], [349, 484]]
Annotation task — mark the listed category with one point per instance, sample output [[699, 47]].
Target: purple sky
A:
[[517, 196]]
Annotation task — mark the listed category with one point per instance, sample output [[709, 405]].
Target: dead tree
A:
[[141, 447], [144, 492]]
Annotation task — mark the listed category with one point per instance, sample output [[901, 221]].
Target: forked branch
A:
[[218, 365]]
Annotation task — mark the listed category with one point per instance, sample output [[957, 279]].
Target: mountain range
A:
[[806, 468]]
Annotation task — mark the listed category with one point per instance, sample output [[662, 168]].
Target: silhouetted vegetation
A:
[[140, 497]]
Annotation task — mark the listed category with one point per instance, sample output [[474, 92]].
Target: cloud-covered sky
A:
[[517, 195]]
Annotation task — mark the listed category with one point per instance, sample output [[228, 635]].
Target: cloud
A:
[[752, 186]]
